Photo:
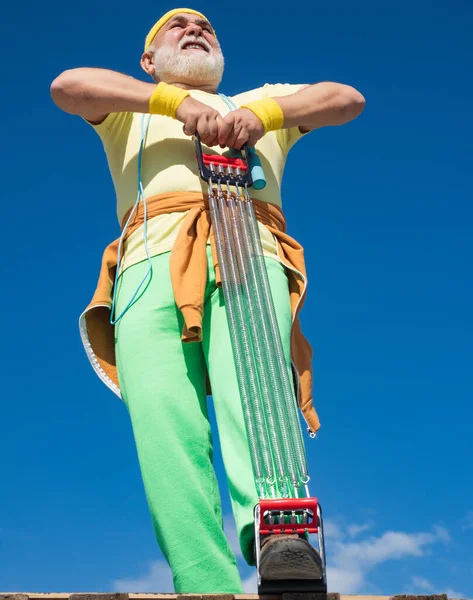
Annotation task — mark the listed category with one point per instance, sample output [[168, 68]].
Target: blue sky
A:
[[383, 208]]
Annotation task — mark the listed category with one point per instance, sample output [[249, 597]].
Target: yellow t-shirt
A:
[[169, 165]]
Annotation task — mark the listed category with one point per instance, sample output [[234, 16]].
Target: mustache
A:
[[191, 39]]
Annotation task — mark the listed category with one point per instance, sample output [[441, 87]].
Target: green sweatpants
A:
[[163, 385]]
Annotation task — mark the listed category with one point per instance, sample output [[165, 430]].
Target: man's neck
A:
[[206, 87]]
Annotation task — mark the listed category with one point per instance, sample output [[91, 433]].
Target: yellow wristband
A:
[[166, 99], [268, 112]]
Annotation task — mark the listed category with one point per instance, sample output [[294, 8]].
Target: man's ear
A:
[[147, 63]]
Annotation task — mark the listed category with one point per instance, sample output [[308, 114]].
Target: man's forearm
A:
[[94, 93], [320, 105]]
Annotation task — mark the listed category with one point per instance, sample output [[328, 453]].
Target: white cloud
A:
[[355, 530], [454, 594], [391, 545], [157, 579], [421, 585], [332, 531], [344, 580], [418, 585], [349, 562]]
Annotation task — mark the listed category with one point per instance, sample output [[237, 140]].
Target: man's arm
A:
[[321, 105], [94, 93], [312, 107]]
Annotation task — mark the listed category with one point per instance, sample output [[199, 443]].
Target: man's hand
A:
[[240, 127], [200, 118]]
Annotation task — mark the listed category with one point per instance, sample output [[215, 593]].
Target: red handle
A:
[[287, 505], [218, 159]]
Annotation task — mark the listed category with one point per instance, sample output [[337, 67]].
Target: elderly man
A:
[[167, 291]]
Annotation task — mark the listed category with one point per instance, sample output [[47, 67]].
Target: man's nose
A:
[[194, 29]]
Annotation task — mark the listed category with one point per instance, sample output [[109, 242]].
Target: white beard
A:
[[197, 66]]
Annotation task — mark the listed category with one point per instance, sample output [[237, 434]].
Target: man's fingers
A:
[[234, 133], [254, 137], [213, 131], [225, 129], [190, 126], [241, 139], [203, 127]]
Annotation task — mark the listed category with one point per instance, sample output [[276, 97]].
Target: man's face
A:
[[186, 50]]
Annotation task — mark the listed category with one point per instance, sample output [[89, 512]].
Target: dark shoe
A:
[[289, 557]]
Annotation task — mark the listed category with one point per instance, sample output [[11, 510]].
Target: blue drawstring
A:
[[229, 102], [257, 173], [140, 196]]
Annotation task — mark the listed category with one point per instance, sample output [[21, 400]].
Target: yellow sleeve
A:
[[286, 137], [113, 127]]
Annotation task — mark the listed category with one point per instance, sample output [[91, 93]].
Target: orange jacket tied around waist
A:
[[188, 267]]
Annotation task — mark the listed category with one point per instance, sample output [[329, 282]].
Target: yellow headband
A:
[[164, 19]]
